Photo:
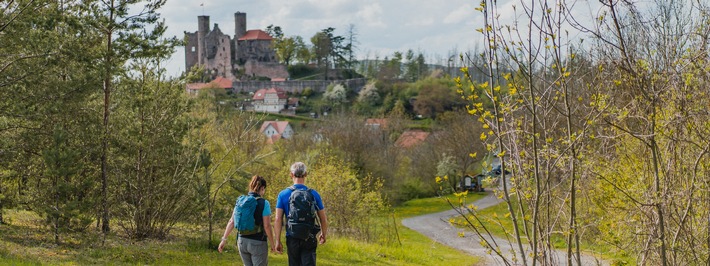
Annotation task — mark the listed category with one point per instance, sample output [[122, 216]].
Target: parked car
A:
[[475, 183]]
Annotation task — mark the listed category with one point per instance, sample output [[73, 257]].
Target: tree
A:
[[369, 95], [411, 67], [336, 94], [579, 154], [351, 46], [47, 90], [391, 68], [436, 96], [458, 131], [65, 188], [286, 48], [229, 144], [321, 50], [124, 37], [153, 191], [328, 49]]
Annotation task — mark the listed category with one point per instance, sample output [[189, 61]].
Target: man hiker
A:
[[305, 218]]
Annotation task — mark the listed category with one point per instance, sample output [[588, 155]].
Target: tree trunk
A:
[[1, 205], [658, 197], [55, 185], [210, 207], [105, 227]]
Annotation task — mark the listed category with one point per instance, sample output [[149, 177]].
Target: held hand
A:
[[321, 239], [279, 248], [221, 246]]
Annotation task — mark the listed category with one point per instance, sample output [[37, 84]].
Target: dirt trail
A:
[[436, 226]]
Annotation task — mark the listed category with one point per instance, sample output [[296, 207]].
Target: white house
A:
[[271, 100], [276, 130]]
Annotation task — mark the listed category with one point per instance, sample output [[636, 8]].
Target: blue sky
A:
[[436, 28]]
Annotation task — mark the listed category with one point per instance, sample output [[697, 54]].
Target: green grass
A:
[[26, 241], [499, 224], [430, 205]]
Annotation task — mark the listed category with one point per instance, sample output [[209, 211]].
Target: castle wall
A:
[[221, 63], [256, 50], [219, 53], [265, 69], [297, 85], [191, 50], [222, 55]]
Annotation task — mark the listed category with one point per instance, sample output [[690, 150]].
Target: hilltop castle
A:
[[248, 55]]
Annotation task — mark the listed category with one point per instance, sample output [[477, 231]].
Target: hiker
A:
[[256, 232], [302, 206]]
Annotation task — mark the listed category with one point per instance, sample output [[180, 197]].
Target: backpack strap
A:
[[293, 188]]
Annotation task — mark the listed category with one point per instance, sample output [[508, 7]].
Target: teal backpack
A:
[[244, 220]]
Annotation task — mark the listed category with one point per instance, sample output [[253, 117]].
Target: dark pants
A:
[[301, 252]]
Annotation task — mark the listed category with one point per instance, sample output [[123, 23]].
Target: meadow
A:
[[26, 240]]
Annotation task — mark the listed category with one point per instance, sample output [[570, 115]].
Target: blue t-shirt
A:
[[284, 195], [267, 208]]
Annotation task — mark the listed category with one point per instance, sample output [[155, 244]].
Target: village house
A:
[[219, 83], [411, 138], [271, 100], [376, 123], [275, 130]]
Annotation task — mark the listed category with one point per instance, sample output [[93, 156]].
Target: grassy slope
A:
[[26, 242], [496, 221]]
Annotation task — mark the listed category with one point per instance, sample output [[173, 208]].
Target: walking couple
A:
[[305, 219]]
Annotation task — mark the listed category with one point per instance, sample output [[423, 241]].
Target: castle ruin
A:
[[249, 55]]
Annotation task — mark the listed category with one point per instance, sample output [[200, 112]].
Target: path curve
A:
[[437, 227]]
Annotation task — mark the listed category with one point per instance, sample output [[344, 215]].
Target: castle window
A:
[[193, 49]]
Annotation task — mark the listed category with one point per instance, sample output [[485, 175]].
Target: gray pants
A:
[[253, 252]]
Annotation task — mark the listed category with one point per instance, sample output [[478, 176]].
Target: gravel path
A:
[[436, 226]]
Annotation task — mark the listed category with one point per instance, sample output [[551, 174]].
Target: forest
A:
[[601, 119]]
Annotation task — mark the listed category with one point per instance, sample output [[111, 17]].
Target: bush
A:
[[340, 188]]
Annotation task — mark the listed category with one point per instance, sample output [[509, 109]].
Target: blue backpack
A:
[[302, 214], [244, 220]]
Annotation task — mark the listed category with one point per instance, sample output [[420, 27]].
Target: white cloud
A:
[[371, 15], [460, 15]]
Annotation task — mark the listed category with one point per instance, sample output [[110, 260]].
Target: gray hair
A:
[[298, 169]]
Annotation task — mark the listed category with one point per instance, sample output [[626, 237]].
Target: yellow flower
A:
[[438, 180], [462, 234]]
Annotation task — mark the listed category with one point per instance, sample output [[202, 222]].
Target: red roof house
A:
[[217, 83], [276, 130], [269, 100], [411, 138], [256, 35]]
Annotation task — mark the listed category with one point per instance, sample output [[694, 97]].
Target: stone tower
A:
[[203, 27], [240, 25]]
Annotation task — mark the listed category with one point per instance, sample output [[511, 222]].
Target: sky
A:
[[435, 28]]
